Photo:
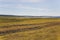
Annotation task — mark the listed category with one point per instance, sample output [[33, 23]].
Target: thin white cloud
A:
[[29, 10], [32, 1], [28, 7], [20, 6]]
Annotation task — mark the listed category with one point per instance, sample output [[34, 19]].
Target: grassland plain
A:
[[14, 28]]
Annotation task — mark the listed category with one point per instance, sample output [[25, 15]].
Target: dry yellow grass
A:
[[45, 33]]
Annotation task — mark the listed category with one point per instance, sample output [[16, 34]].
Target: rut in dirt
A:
[[48, 24]]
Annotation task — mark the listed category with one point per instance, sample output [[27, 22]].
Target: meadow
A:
[[18, 28]]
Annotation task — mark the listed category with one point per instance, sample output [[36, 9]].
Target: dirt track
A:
[[25, 27]]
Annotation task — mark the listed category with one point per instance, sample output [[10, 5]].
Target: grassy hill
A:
[[18, 28]]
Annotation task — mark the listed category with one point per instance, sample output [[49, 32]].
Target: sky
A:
[[30, 7]]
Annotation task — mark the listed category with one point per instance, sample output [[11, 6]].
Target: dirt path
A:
[[25, 27]]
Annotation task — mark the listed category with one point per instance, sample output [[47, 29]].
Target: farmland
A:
[[16, 28]]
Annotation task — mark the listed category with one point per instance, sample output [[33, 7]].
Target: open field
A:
[[16, 28]]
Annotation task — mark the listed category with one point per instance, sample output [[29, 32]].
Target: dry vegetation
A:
[[13, 28]]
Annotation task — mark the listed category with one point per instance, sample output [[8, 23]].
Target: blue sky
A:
[[30, 7]]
